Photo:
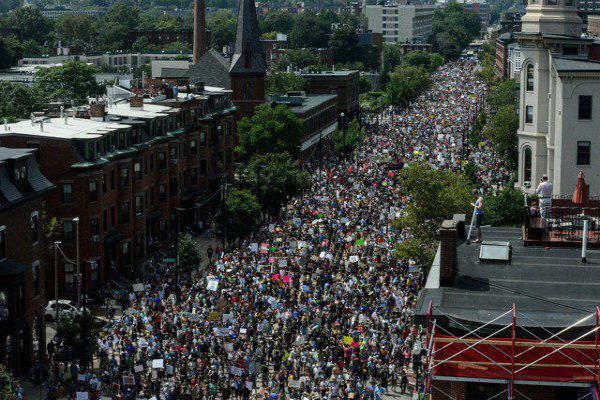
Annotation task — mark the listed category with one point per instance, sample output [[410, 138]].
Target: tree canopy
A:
[[309, 31], [18, 101], [73, 81], [188, 254], [406, 84], [344, 42], [270, 130], [243, 213], [283, 82], [453, 29]]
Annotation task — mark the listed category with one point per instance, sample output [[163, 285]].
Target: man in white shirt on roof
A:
[[544, 191]]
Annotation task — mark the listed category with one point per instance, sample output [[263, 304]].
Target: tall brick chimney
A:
[[199, 29], [136, 102], [97, 111], [448, 233]]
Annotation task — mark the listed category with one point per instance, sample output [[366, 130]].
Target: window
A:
[[527, 164], [193, 147], [203, 167], [113, 216], [529, 114], [583, 152], [2, 242], [162, 160], [137, 170], [68, 231], [35, 227], [194, 177], [104, 220], [173, 153], [125, 253], [203, 138], [94, 272], [67, 193], [93, 190], [94, 226], [139, 205], [4, 311], [69, 277], [35, 278], [173, 187], [125, 212], [162, 229], [585, 107], [162, 192], [124, 177], [529, 77], [112, 180], [570, 51]]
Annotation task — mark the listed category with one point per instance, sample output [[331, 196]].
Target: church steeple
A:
[[248, 57], [247, 70], [552, 16]]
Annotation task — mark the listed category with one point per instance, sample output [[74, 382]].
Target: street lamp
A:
[[78, 273], [56, 244]]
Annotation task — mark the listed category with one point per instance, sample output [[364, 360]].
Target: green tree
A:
[[390, 60], [138, 72], [278, 21], [73, 81], [344, 142], [270, 130], [273, 179], [453, 28], [437, 60], [502, 132], [505, 209], [113, 36], [8, 5], [222, 26], [435, 195], [283, 82], [364, 85], [18, 101], [243, 213], [177, 47], [11, 50], [301, 58], [417, 59], [123, 13], [406, 84], [344, 42], [310, 31], [9, 386], [71, 28], [504, 94], [31, 22], [79, 335], [142, 45], [188, 254]]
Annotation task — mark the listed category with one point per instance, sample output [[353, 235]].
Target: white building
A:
[[57, 12], [559, 97], [400, 23], [514, 60]]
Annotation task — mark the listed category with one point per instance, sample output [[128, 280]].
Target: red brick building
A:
[[134, 172], [22, 269], [342, 83]]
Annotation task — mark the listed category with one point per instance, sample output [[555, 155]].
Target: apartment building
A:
[[401, 23], [135, 172], [22, 268]]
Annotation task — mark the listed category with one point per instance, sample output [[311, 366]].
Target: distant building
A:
[[53, 12], [275, 48], [162, 37], [22, 268], [342, 83], [593, 26], [406, 48], [514, 60], [510, 22], [318, 113], [399, 23], [502, 43], [481, 8]]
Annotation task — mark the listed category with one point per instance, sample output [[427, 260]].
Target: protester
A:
[[314, 305]]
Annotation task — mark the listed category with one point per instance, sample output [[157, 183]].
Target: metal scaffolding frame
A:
[[512, 360]]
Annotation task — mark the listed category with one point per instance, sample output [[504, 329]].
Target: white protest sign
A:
[[138, 287], [254, 247], [138, 368], [213, 285], [158, 363], [82, 396]]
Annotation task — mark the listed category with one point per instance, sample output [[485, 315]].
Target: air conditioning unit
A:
[[95, 239]]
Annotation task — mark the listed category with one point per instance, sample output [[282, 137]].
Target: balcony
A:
[[563, 225]]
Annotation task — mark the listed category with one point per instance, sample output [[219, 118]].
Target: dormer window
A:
[[20, 174]]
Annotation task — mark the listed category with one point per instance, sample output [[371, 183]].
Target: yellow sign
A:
[[348, 340]]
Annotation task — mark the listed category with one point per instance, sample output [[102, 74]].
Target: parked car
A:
[[65, 307]]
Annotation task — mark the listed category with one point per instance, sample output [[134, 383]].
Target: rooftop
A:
[[74, 128], [13, 154], [549, 284], [329, 73], [303, 103], [562, 64]]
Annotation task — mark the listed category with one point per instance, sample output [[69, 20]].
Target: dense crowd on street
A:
[[313, 305]]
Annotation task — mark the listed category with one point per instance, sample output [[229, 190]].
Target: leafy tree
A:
[[301, 58], [177, 47], [10, 52], [274, 179], [222, 26], [345, 142], [453, 28], [505, 209], [73, 81], [435, 195], [18, 101], [7, 5], [142, 45], [113, 36], [31, 22], [502, 132], [417, 59], [283, 82], [188, 254], [406, 84], [9, 386], [344, 42], [31, 47], [390, 60], [364, 85], [79, 335], [270, 130], [437, 60], [138, 72], [504, 94], [243, 213], [278, 21], [310, 31], [71, 28], [123, 13]]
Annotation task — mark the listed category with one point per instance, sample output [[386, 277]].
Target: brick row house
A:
[[136, 172], [22, 267]]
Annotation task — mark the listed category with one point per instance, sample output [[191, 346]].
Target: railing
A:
[[561, 224]]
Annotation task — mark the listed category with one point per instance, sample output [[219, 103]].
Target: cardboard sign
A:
[[138, 287], [158, 363], [138, 368], [81, 377]]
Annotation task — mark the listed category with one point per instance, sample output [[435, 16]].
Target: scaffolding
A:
[[503, 358]]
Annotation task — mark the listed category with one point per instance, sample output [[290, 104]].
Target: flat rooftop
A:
[[550, 285], [74, 128], [330, 73], [13, 154], [309, 101]]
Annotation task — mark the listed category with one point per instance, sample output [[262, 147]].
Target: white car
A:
[[65, 307]]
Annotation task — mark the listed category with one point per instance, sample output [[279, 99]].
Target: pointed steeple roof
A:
[[248, 55]]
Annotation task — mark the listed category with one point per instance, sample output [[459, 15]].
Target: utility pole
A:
[[78, 273], [56, 244]]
